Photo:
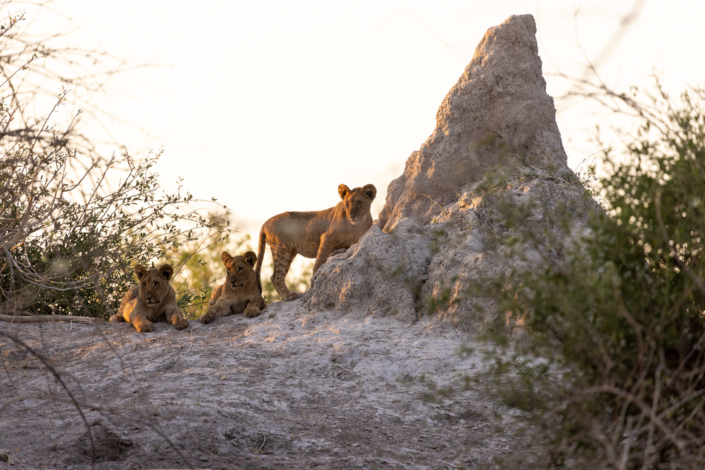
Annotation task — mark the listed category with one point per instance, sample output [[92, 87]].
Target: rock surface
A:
[[499, 104], [441, 231], [283, 392], [378, 274]]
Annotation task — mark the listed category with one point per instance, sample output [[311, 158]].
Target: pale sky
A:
[[269, 105]]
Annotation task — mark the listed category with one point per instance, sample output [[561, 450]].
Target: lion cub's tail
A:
[[260, 257]]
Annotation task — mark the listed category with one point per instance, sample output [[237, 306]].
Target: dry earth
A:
[[277, 391]]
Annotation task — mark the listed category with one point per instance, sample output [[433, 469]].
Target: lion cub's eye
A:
[[156, 284], [359, 203], [144, 284], [239, 269]]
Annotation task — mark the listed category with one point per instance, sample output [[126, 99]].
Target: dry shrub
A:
[[615, 350], [72, 223]]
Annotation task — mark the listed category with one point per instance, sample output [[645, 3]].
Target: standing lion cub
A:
[[240, 293], [151, 300], [315, 234]]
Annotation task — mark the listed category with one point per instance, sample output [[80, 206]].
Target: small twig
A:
[[44, 318], [346, 370], [6, 403], [443, 211], [263, 443], [538, 169], [446, 463]]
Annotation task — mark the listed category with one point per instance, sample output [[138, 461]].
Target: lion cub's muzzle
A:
[[354, 218]]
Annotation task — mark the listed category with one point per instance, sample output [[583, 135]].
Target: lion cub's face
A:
[[240, 273], [153, 284], [357, 201]]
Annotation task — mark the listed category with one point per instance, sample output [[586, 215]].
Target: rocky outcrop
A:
[[380, 275], [441, 232], [498, 105]]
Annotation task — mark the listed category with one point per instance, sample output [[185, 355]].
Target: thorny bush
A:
[[72, 224], [622, 319]]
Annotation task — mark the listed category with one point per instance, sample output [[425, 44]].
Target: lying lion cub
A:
[[315, 234], [151, 300], [240, 293]]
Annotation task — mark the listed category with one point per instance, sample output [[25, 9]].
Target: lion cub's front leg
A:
[[117, 318], [140, 322], [324, 251], [218, 309], [255, 307], [129, 311], [127, 304], [252, 310], [176, 318]]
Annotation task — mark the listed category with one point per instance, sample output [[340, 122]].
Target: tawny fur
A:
[[315, 234], [152, 300], [240, 293]]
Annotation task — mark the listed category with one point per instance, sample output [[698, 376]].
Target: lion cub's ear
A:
[[226, 257], [343, 191], [250, 258], [166, 271], [140, 271], [370, 191]]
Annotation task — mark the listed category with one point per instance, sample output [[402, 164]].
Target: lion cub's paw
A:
[[181, 324], [337, 252], [116, 318], [251, 311], [292, 296], [145, 326], [206, 318]]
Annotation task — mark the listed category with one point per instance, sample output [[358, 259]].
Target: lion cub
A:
[[315, 234], [151, 300], [240, 293]]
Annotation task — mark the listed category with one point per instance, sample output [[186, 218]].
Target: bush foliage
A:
[[73, 224], [614, 361]]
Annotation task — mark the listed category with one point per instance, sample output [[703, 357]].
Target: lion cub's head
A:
[[154, 284], [357, 201], [241, 274]]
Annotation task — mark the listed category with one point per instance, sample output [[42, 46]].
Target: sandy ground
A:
[[278, 391]]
